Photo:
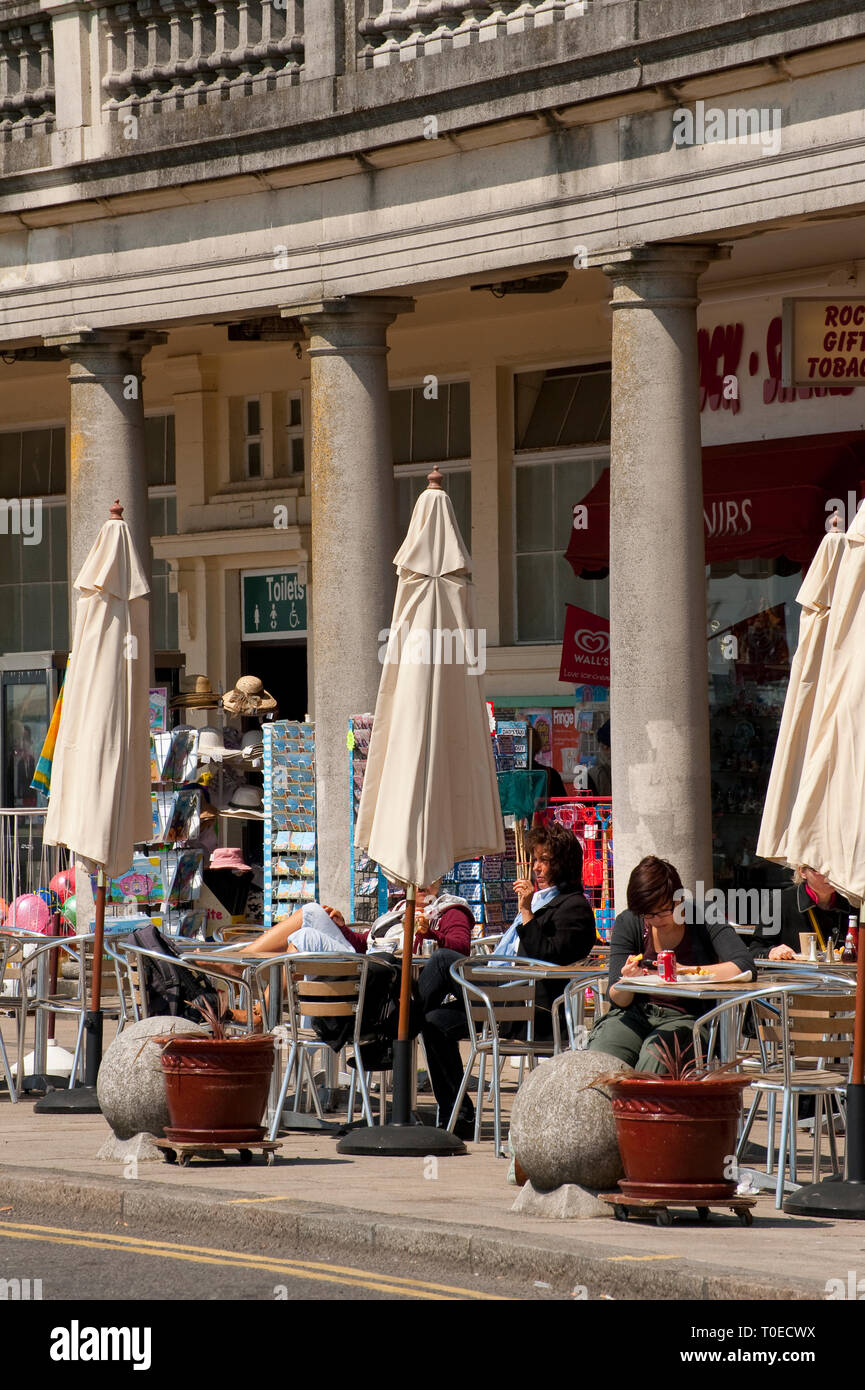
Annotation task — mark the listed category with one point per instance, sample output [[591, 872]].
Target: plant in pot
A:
[[677, 1132], [216, 1087]]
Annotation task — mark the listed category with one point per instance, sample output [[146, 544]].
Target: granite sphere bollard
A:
[[562, 1128], [130, 1087]]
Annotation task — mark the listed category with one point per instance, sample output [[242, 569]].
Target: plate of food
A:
[[700, 975]]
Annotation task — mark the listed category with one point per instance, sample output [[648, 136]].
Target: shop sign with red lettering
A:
[[585, 648], [823, 342]]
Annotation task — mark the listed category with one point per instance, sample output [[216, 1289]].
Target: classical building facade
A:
[[262, 264]]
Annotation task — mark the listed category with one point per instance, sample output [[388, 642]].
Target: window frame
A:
[[590, 453], [252, 439], [417, 384]]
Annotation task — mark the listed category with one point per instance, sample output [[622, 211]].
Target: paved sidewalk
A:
[[456, 1211]]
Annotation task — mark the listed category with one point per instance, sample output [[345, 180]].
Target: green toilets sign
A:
[[274, 604]]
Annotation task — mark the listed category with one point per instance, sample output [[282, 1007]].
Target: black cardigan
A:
[[706, 945], [560, 933]]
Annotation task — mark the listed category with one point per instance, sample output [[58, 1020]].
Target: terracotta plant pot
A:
[[676, 1137], [217, 1088]]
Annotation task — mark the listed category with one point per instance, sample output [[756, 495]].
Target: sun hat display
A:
[[246, 801], [252, 740], [248, 697], [229, 858], [198, 695], [211, 747]]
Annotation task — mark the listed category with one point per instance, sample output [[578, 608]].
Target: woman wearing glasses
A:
[[655, 921]]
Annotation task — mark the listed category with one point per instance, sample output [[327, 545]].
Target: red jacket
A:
[[453, 930]]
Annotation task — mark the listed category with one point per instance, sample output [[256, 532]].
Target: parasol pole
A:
[[402, 1046], [856, 1088], [93, 1019]]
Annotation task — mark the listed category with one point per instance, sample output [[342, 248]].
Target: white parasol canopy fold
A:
[[430, 796], [827, 824], [815, 597], [99, 805]]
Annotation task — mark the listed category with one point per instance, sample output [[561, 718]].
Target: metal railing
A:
[[27, 864]]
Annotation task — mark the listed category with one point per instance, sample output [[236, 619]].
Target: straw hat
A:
[[199, 695], [248, 697]]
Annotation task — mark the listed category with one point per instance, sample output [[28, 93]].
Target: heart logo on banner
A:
[[591, 642]]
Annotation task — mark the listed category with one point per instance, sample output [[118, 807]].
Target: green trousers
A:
[[632, 1034]]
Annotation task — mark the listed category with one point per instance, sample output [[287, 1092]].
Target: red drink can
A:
[[667, 966]]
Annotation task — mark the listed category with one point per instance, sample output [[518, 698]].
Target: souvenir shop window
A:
[[545, 492], [752, 631]]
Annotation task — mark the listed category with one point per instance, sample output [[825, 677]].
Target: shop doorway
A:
[[281, 666]]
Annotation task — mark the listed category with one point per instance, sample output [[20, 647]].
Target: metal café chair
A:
[[572, 1006], [130, 961], [30, 1000], [496, 991], [9, 1002], [329, 986], [798, 1024]]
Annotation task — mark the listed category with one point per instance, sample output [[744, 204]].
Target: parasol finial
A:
[[116, 512], [835, 520], [435, 479]]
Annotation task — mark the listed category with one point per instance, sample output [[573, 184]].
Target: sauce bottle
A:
[[851, 945]]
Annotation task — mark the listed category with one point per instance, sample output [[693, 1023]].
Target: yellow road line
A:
[[614, 1258], [251, 1201], [313, 1270]]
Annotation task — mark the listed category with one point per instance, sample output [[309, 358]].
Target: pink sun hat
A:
[[229, 859]]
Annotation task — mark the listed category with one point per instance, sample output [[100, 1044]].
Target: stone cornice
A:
[[620, 51]]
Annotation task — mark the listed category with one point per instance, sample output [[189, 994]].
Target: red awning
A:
[[760, 500]]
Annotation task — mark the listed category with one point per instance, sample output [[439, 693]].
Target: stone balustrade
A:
[[167, 55], [422, 28], [26, 75]]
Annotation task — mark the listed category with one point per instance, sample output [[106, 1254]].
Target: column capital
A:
[[660, 257], [650, 274], [123, 341], [342, 308]]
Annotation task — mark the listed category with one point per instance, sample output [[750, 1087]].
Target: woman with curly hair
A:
[[554, 924]]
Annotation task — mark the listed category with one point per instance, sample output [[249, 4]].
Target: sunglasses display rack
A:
[[368, 886], [290, 859]]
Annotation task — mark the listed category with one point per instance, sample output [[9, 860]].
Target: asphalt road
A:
[[100, 1263]]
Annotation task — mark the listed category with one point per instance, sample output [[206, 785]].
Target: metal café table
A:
[[715, 990]]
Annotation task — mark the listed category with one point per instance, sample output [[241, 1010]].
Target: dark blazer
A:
[[561, 933], [795, 906]]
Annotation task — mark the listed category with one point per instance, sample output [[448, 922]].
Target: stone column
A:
[[106, 438], [659, 707], [352, 578]]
